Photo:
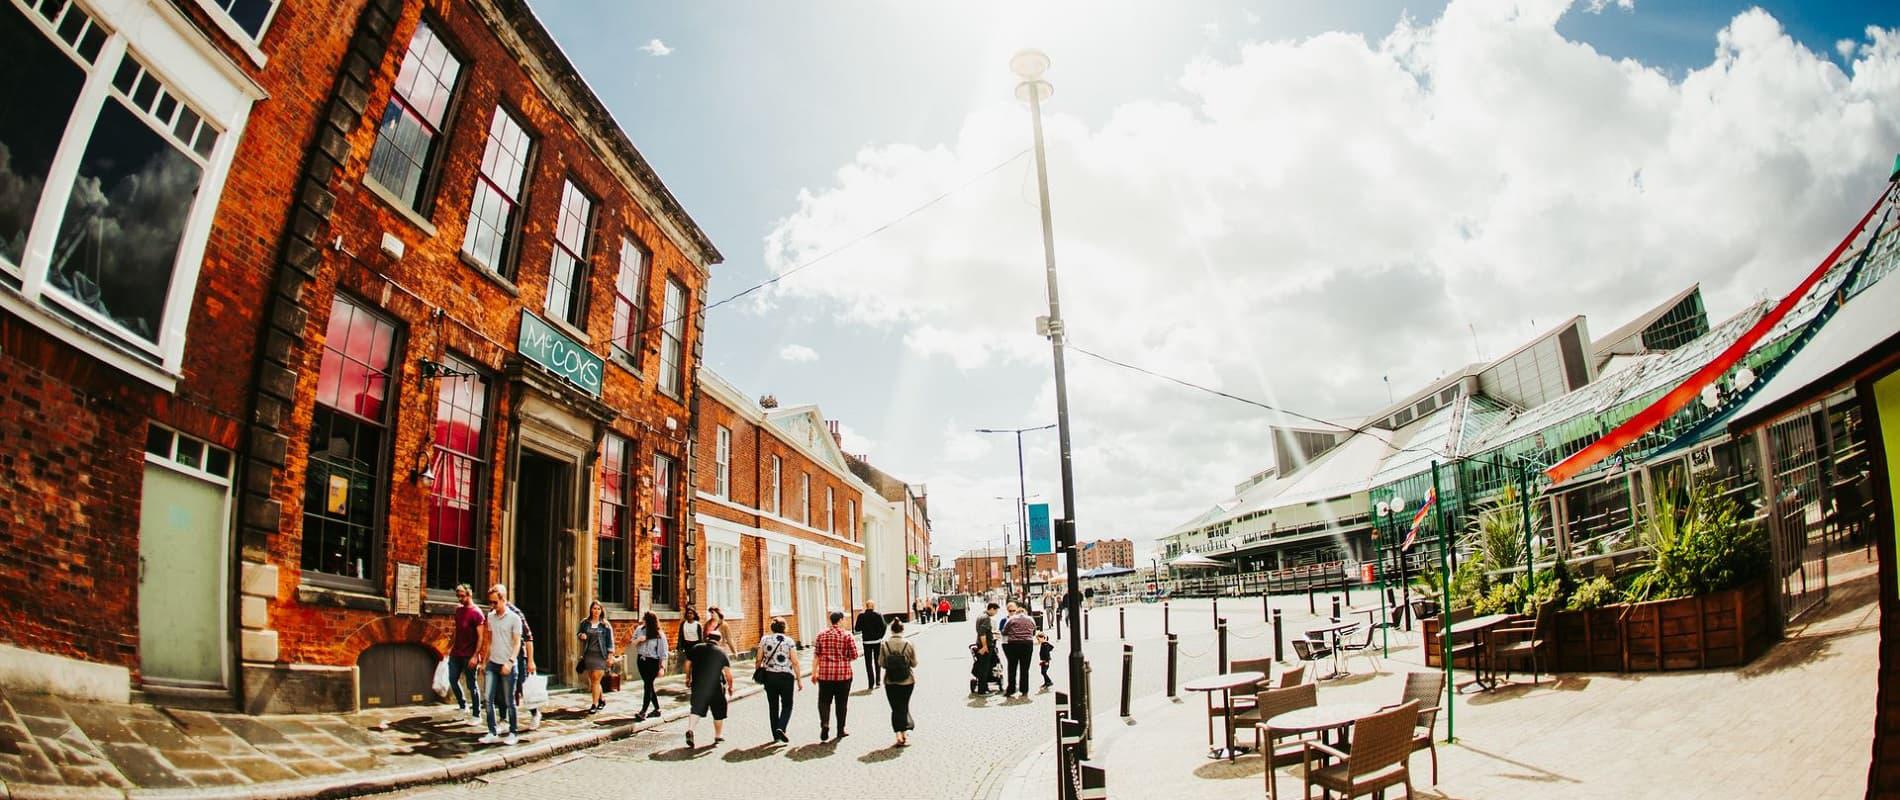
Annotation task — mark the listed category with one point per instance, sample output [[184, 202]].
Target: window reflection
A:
[[33, 75]]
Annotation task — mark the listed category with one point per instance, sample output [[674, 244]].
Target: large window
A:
[[722, 578], [673, 339], [831, 511], [348, 474], [851, 520], [567, 275], [409, 137], [834, 585], [630, 309], [492, 220], [804, 498], [460, 467], [665, 532], [722, 462], [778, 577], [616, 518], [108, 175], [777, 491], [250, 16]]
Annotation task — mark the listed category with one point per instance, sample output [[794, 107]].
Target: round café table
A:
[[1224, 683], [1315, 719], [1332, 633]]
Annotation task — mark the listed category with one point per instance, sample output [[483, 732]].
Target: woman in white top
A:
[[779, 667]]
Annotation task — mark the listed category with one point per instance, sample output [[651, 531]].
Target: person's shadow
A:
[[751, 753], [682, 754], [807, 752], [888, 753]]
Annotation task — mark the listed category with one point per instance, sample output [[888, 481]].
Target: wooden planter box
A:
[[1724, 629]]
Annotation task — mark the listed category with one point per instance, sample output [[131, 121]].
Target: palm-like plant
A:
[[1697, 545], [1497, 536]]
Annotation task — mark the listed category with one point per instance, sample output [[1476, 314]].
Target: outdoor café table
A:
[[1332, 632], [1315, 719], [1225, 684], [1477, 627]]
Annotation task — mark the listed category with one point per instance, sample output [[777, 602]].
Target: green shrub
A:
[[1596, 592], [1502, 598], [1698, 547], [1545, 590]]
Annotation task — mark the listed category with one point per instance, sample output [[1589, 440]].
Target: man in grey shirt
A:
[[986, 652], [500, 644]]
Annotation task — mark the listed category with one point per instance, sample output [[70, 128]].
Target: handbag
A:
[[759, 671]]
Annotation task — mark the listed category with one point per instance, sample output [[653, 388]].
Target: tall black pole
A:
[[1032, 65], [1022, 515]]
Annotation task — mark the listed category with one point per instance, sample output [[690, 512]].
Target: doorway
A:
[[183, 511], [811, 605], [540, 516]]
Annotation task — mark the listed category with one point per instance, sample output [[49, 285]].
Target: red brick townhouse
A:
[[479, 368], [151, 154], [779, 514]]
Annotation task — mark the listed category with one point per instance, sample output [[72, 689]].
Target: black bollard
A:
[[1174, 650], [1128, 672], [1279, 640], [1266, 609], [1167, 626], [1085, 623], [1121, 620], [1335, 609], [1310, 609], [1217, 609], [1220, 629], [1348, 588]]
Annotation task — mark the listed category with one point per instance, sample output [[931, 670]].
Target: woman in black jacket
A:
[[597, 651]]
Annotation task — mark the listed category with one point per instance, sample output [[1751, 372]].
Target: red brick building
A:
[[152, 157], [1106, 553], [491, 359], [779, 515], [393, 305]]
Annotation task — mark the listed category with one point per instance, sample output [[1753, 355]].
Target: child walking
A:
[[1044, 651]]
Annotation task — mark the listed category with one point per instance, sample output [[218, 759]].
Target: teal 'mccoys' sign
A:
[[550, 348]]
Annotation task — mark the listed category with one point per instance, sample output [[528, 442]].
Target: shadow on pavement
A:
[[681, 754], [753, 753], [436, 737], [807, 752], [876, 756]]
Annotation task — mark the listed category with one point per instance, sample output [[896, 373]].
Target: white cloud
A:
[[855, 442], [797, 353], [1250, 17], [1846, 48], [1597, 6], [655, 47], [1314, 214]]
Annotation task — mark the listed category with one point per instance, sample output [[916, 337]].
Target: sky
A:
[[1302, 202]]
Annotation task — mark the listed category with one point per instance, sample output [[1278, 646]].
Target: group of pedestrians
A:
[[926, 612], [498, 647], [1015, 639]]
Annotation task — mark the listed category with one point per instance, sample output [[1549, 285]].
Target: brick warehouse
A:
[[469, 422], [127, 367], [772, 547]]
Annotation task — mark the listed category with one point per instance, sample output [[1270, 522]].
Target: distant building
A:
[[1106, 553]]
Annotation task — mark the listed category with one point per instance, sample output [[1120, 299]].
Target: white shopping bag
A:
[[534, 691], [441, 684]]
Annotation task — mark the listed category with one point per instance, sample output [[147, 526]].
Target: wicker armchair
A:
[[1293, 676], [1426, 690], [1381, 745], [1243, 700], [1272, 703]]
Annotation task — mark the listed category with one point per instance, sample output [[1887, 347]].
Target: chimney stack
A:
[[832, 425], [768, 401]]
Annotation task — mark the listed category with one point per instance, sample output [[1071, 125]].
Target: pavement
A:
[[1796, 722], [53, 747]]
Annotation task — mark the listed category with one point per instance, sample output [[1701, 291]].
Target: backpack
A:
[[896, 667]]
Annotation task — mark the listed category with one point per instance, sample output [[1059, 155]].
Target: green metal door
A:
[[181, 578]]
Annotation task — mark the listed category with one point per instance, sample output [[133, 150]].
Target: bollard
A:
[[1085, 623], [1279, 640], [1128, 672], [1266, 609], [1121, 615], [1174, 650], [1220, 629], [1348, 588], [1335, 609], [1310, 609], [1167, 626], [1217, 609]]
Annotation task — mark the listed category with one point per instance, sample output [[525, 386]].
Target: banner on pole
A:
[[1040, 542]]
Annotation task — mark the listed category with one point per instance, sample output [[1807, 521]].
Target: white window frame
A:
[[175, 52], [831, 511], [722, 578], [804, 499], [778, 579], [851, 519], [245, 41], [777, 494], [834, 585], [722, 461]]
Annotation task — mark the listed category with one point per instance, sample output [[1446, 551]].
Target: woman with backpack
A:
[[778, 672], [900, 679]]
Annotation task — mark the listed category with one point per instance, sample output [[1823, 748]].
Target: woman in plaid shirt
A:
[[832, 656]]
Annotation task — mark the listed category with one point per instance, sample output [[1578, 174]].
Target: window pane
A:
[[460, 469], [672, 337], [497, 192], [405, 138], [118, 242], [249, 14], [567, 274], [38, 79]]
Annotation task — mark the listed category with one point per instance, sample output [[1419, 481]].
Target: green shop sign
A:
[[550, 348]]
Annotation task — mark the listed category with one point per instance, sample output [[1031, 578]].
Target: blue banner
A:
[[1040, 543]]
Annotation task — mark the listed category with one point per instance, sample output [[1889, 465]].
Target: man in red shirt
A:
[[832, 656], [468, 628]]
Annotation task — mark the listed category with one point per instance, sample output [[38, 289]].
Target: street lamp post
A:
[[1022, 494], [1029, 65]]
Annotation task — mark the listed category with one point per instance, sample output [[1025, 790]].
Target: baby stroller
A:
[[985, 669]]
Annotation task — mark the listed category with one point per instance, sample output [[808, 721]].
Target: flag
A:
[[1418, 520]]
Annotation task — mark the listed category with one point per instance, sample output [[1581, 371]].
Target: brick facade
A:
[[744, 516], [443, 306], [1107, 552]]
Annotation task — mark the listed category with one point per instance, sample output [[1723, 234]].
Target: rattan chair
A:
[[1519, 641], [1293, 676], [1381, 746], [1427, 690], [1272, 703], [1243, 700]]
